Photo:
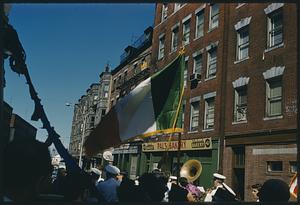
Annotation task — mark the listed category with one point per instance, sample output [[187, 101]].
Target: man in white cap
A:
[[220, 192], [108, 188]]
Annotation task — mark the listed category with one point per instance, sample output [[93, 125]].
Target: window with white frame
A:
[[198, 64], [183, 110], [211, 63], [194, 121], [186, 32], [177, 6], [199, 24], [243, 43], [214, 16], [161, 48], [240, 104], [209, 113], [275, 28], [273, 97], [175, 33], [164, 11], [185, 72]]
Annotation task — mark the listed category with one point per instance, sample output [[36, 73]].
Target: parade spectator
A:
[[255, 190], [129, 192], [26, 170], [274, 190], [108, 188], [177, 194], [153, 185]]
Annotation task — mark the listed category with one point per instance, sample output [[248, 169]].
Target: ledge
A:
[[192, 132], [211, 29], [240, 122], [273, 118], [239, 61], [239, 6], [208, 130], [211, 78], [274, 47]]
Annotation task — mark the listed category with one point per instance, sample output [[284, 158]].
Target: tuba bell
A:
[[191, 170]]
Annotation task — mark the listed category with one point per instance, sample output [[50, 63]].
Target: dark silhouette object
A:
[[255, 190], [27, 169], [153, 185], [223, 195], [274, 190], [177, 194], [129, 192]]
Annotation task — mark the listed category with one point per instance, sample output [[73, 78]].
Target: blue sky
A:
[[67, 46]]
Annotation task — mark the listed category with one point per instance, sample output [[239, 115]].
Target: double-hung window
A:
[[275, 28], [274, 97], [174, 43], [186, 32], [214, 16], [211, 63], [183, 110], [243, 43], [194, 120], [185, 72], [240, 104], [164, 11], [198, 64], [161, 47], [199, 24], [209, 113]]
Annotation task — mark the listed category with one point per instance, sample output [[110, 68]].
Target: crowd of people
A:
[[33, 182]]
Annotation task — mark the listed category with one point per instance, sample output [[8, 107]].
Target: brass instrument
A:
[[191, 170]]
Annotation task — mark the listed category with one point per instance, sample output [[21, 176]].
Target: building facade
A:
[[261, 94], [135, 66], [240, 88]]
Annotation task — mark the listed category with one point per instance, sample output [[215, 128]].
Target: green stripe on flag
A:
[[166, 87]]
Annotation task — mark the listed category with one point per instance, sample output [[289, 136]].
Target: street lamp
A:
[[83, 132]]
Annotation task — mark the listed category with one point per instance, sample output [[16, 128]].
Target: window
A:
[[106, 94], [274, 97], [243, 43], [174, 45], [185, 72], [274, 166], [161, 49], [186, 32], [183, 110], [106, 88], [211, 63], [240, 104], [214, 16], [293, 167], [275, 28], [209, 113], [115, 84], [164, 12], [239, 157], [199, 24], [198, 64], [177, 6], [125, 75], [194, 121]]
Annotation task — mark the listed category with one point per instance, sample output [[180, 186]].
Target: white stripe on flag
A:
[[135, 112]]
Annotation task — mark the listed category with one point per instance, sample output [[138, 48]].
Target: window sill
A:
[[173, 51], [273, 118], [192, 132], [198, 38], [274, 47], [239, 122], [207, 130], [160, 58], [239, 6], [239, 61], [185, 44], [207, 79], [211, 29]]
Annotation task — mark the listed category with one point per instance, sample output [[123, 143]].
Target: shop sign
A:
[[194, 144], [126, 149]]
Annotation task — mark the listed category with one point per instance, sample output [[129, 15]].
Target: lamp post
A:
[[82, 113]]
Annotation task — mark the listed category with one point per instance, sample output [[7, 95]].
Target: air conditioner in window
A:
[[195, 77]]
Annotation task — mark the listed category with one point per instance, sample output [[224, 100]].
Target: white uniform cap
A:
[[173, 177], [112, 169], [96, 171], [219, 176]]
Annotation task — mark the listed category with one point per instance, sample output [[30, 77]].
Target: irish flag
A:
[[294, 186], [152, 107]]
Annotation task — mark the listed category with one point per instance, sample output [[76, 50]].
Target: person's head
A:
[[274, 190], [154, 185], [218, 179], [27, 169], [255, 189], [95, 174], [129, 192], [122, 176], [183, 181], [173, 179], [111, 171]]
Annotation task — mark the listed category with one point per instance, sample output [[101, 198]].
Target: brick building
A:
[[240, 87], [260, 106]]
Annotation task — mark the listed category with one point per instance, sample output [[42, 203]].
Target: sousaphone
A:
[[191, 170]]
